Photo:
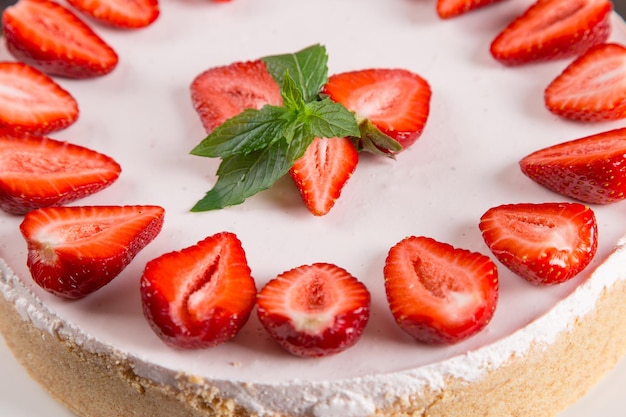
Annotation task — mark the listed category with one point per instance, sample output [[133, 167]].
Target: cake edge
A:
[[587, 320]]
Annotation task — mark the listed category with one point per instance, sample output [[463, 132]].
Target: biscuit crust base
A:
[[541, 383]]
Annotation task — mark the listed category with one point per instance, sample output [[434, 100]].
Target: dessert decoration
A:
[[200, 296], [74, 251], [37, 171], [33, 102], [592, 88], [120, 13], [451, 8], [314, 310], [322, 172], [259, 141], [589, 169], [259, 146], [394, 102], [438, 293], [553, 29], [220, 93], [51, 38], [547, 243]]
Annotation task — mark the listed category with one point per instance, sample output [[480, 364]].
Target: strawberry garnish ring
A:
[[314, 310], [544, 243], [592, 88], [52, 38], [37, 171], [32, 102], [74, 251], [591, 169], [439, 294], [200, 296]]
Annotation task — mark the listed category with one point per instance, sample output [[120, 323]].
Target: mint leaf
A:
[[328, 119], [291, 94], [248, 131], [240, 177], [308, 68]]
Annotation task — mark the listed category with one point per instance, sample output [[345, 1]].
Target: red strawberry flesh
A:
[[51, 38], [126, 14], [553, 29], [200, 296], [396, 101], [39, 172], [592, 88], [546, 243], [590, 169], [74, 251], [323, 171], [32, 102], [220, 93], [452, 8], [439, 294], [314, 310]]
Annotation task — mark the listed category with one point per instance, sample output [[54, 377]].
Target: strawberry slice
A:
[[314, 310], [74, 251], [32, 102], [125, 14], [395, 101], [439, 294], [322, 172], [452, 8], [546, 243], [51, 38], [592, 88], [223, 92], [200, 296], [590, 169], [39, 172], [553, 29]]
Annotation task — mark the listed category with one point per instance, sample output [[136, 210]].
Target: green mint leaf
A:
[[240, 177], [328, 119], [308, 68], [291, 94], [299, 144], [248, 131]]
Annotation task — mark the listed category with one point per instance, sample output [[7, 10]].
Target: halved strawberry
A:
[[314, 310], [223, 92], [438, 293], [593, 87], [322, 172], [553, 29], [590, 169], [395, 101], [38, 171], [452, 8], [200, 296], [51, 38], [74, 251], [126, 14], [545, 243], [33, 102]]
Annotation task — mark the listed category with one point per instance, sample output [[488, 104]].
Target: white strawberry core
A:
[[312, 305]]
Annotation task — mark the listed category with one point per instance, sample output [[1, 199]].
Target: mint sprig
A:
[[257, 147]]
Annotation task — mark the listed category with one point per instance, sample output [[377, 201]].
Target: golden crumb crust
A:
[[541, 383]]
